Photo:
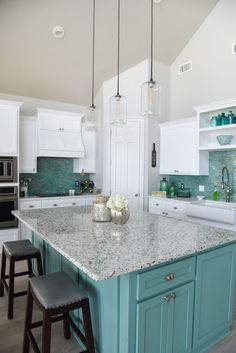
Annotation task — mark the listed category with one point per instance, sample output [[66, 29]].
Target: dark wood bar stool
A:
[[17, 251], [56, 295]]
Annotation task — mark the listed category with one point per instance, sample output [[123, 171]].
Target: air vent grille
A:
[[188, 66], [234, 48]]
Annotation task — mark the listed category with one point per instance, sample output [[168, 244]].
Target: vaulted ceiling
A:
[[33, 63]]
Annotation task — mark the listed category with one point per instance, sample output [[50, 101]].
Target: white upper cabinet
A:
[[179, 153], [28, 144], [88, 163], [9, 116], [59, 134]]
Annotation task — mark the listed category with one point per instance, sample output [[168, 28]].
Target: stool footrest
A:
[[33, 342], [77, 331], [19, 294]]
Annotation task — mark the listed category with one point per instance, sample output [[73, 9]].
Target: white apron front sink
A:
[[217, 211]]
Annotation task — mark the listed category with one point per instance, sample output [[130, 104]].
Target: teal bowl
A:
[[224, 139]]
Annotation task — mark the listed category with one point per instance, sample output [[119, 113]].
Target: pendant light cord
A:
[[152, 22], [93, 55], [118, 52]]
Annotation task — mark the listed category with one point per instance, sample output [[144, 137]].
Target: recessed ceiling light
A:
[[58, 32]]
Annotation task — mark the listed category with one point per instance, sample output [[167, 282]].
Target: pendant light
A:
[[151, 90], [92, 113], [118, 105]]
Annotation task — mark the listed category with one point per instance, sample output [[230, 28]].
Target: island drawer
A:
[[30, 204], [162, 279]]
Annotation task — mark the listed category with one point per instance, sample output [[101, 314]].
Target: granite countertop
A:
[[105, 250]]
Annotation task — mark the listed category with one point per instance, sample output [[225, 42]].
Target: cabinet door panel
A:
[[214, 293], [71, 124], [49, 122], [152, 326], [8, 130], [178, 149], [28, 147], [181, 320]]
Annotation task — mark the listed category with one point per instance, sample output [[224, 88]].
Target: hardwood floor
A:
[[11, 331]]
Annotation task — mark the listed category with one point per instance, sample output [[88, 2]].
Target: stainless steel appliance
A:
[[8, 203], [8, 169]]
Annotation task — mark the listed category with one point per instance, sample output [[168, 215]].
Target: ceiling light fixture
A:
[[58, 32], [92, 113], [118, 104], [151, 90]]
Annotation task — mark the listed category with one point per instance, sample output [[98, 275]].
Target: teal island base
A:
[[184, 306]]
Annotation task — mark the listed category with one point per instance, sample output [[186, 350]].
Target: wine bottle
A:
[[154, 156]]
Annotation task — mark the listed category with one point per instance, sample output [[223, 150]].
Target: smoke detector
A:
[[58, 32]]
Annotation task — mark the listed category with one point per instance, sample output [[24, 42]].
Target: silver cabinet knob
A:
[[157, 204], [136, 195], [170, 276], [175, 208], [55, 204], [74, 203], [31, 206]]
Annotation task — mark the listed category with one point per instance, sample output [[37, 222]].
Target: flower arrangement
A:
[[117, 202]]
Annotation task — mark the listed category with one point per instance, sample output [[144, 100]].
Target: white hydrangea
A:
[[118, 202]]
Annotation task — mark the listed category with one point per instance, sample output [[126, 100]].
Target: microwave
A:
[[8, 169]]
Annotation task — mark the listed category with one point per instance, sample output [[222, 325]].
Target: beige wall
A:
[[213, 77]]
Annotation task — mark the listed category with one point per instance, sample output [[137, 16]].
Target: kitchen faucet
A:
[[226, 184]]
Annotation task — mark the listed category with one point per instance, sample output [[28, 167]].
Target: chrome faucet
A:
[[226, 185]]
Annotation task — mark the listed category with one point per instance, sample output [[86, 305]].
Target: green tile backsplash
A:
[[54, 175], [217, 160]]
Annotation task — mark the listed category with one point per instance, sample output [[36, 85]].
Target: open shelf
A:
[[218, 148], [219, 128]]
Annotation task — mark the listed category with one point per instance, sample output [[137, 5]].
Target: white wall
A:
[[213, 77]]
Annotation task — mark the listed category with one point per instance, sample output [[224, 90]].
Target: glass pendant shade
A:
[[91, 118], [118, 110], [151, 99]]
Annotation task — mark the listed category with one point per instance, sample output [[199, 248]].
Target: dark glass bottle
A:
[[154, 156]]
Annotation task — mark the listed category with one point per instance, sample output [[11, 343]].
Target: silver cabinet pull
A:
[[31, 206], [136, 195], [55, 204], [175, 208], [165, 213], [168, 297], [157, 204], [176, 171], [73, 203], [170, 276]]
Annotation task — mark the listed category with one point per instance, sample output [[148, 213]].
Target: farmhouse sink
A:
[[217, 211]]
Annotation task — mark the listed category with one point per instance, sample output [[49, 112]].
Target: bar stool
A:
[[16, 251], [56, 295]]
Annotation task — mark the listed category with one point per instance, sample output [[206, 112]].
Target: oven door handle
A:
[[8, 197]]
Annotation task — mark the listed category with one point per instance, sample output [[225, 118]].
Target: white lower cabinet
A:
[[63, 203], [8, 235], [167, 208]]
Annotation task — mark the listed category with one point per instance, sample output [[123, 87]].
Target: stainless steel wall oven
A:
[[8, 203]]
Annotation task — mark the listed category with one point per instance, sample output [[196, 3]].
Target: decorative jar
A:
[[120, 216]]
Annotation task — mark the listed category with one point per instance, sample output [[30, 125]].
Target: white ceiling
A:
[[33, 63]]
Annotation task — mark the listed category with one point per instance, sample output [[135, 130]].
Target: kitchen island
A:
[[156, 285]]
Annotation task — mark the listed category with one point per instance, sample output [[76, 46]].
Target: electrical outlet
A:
[[201, 188], [76, 184]]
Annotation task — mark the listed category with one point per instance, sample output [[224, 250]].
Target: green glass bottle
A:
[[215, 194], [172, 192], [164, 185]]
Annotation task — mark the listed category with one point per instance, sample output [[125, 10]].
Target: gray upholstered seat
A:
[[20, 248], [55, 290]]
